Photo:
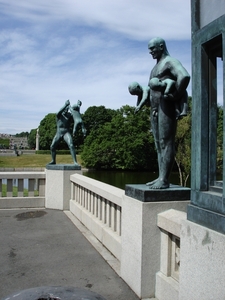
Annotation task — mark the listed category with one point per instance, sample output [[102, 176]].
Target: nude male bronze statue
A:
[[164, 106], [65, 116]]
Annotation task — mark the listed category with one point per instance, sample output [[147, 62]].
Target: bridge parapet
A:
[[98, 206]]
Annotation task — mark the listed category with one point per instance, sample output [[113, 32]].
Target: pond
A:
[[121, 178]]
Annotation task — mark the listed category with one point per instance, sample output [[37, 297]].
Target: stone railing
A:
[[167, 279], [98, 206], [22, 189]]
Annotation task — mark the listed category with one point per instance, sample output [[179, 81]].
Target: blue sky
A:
[[90, 50]]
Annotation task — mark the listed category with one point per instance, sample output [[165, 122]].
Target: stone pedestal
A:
[[58, 186], [140, 259], [143, 193], [202, 257]]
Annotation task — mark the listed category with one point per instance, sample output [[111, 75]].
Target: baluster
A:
[[118, 220], [78, 194], [31, 183], [108, 221], [72, 191], [93, 206], [82, 196], [20, 188], [96, 206], [9, 188], [103, 211], [41, 187], [99, 208], [92, 203], [113, 217], [89, 202], [85, 198]]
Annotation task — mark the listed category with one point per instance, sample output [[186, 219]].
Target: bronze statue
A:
[[166, 107], [64, 117]]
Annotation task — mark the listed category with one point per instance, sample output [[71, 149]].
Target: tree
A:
[[124, 143], [32, 139], [96, 116], [183, 147], [47, 130], [22, 134]]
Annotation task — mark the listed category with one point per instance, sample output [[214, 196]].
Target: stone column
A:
[[140, 258], [202, 257], [58, 186], [37, 140]]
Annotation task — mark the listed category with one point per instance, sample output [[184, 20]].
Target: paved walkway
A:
[[44, 248]]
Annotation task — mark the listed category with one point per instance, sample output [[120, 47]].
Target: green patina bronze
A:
[[65, 116], [167, 95]]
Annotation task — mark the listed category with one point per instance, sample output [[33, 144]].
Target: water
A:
[[121, 178]]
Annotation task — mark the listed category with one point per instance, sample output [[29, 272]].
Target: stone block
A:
[[143, 193], [58, 186], [202, 269], [140, 259]]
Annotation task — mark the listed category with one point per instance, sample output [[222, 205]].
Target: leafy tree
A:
[[47, 130], [32, 138], [123, 143], [22, 134], [183, 147], [96, 116]]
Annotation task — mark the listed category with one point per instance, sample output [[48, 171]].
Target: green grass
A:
[[34, 160]]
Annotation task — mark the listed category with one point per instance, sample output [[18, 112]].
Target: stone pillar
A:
[[202, 257], [140, 258], [58, 186], [37, 140]]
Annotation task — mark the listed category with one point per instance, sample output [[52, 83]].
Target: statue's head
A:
[[156, 84], [157, 47], [134, 88], [77, 106]]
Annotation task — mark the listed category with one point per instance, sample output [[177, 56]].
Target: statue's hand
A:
[[136, 109], [67, 103]]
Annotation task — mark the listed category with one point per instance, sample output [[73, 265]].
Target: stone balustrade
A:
[[167, 279], [98, 206], [22, 189]]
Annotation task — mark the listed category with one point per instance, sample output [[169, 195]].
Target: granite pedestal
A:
[[140, 259], [58, 187], [143, 193]]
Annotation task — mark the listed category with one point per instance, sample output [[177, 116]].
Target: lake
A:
[[121, 178]]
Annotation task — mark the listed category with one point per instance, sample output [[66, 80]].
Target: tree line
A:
[[121, 139]]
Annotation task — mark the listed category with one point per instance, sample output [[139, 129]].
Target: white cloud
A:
[[89, 50]]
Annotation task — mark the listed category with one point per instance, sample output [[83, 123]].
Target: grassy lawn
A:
[[34, 160]]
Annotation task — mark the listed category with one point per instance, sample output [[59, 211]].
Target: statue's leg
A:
[[155, 131], [167, 130], [68, 139], [53, 146]]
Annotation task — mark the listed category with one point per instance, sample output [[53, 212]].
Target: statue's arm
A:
[[144, 99], [67, 103], [182, 79]]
